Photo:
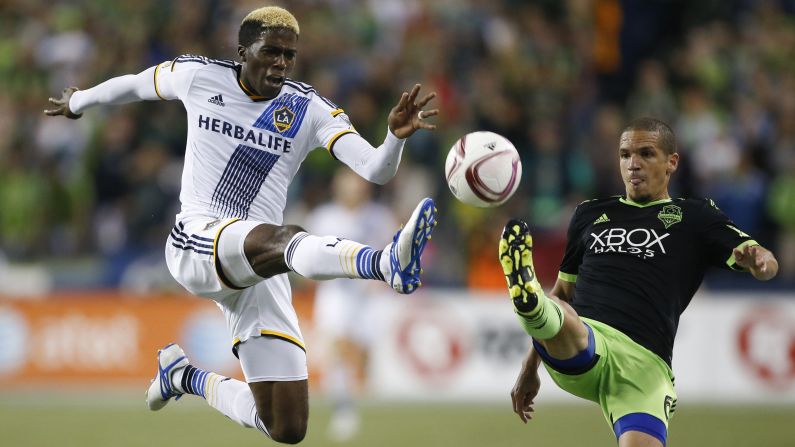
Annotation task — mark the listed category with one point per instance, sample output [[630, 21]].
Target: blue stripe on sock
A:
[[198, 382], [193, 381], [367, 263], [202, 382]]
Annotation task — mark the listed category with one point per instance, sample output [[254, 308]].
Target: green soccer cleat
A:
[[516, 257]]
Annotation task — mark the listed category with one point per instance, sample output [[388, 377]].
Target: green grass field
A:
[[41, 421]]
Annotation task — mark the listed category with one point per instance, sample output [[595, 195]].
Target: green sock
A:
[[545, 321]]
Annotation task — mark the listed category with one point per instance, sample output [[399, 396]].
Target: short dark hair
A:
[[264, 19], [665, 135]]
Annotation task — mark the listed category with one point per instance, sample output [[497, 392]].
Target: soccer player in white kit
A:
[[249, 129]]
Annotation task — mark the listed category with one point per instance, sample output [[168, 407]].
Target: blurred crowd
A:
[[558, 78]]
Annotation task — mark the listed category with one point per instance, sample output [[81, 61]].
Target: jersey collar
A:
[[253, 96], [628, 201]]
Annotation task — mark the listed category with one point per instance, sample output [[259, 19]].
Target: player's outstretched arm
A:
[[526, 387], [61, 105], [379, 165], [408, 115], [758, 260], [119, 90]]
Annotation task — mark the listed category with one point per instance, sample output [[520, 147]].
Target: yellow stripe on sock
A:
[[209, 391]]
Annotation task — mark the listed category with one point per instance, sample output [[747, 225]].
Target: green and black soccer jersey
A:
[[637, 267]]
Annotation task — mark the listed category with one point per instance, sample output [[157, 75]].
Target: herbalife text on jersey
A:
[[269, 141]]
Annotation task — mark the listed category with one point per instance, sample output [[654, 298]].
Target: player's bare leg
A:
[[549, 320], [283, 407], [572, 337], [265, 245], [638, 439]]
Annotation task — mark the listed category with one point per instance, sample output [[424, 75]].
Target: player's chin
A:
[[639, 198], [636, 194]]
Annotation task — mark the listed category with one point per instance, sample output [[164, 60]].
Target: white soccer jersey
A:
[[243, 150]]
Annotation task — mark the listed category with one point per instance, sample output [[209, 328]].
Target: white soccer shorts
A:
[[252, 306]]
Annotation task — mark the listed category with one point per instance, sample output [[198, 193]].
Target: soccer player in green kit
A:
[[632, 264]]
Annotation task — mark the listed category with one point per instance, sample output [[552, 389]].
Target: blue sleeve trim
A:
[[642, 422]]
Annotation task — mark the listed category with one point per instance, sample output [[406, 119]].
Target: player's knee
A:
[[265, 248], [290, 431], [286, 232]]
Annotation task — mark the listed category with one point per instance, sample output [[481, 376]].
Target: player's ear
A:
[[673, 163], [241, 51]]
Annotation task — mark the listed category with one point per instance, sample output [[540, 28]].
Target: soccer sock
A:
[[544, 320], [328, 257], [231, 397], [234, 400], [192, 380]]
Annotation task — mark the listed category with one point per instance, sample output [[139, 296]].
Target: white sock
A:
[[233, 399], [329, 257]]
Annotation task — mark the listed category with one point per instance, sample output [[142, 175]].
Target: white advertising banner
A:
[[452, 345]]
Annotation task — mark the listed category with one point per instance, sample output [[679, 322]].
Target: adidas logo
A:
[[602, 219], [217, 100]]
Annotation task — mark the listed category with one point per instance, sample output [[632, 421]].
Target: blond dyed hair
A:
[[272, 17]]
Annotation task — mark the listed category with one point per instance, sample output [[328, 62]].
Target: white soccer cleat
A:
[[407, 247], [169, 359]]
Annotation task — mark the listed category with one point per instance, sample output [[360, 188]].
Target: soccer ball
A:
[[483, 169]]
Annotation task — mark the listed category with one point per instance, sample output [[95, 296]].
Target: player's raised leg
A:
[[326, 257], [540, 316], [550, 320]]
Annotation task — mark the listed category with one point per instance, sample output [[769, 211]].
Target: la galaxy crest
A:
[[669, 215], [283, 119]]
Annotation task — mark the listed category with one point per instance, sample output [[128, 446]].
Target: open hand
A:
[[407, 116], [757, 260], [62, 105]]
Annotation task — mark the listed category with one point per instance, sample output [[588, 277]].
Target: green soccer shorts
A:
[[627, 378]]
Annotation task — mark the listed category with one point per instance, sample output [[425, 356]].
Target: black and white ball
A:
[[483, 169]]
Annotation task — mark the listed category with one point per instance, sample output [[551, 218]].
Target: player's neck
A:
[[647, 200], [250, 90]]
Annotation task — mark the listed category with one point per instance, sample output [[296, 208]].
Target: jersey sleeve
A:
[[173, 79], [721, 236], [332, 123], [572, 257]]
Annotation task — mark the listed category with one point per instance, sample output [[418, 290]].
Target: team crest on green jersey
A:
[[283, 118], [669, 215]]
